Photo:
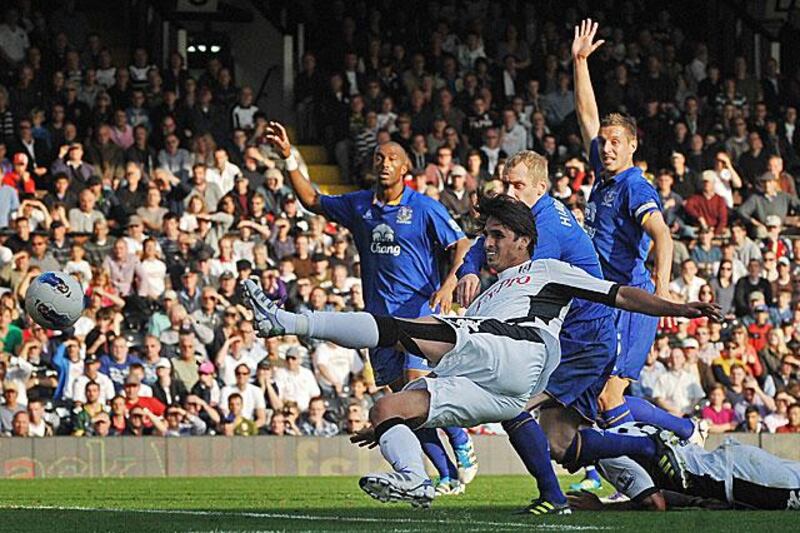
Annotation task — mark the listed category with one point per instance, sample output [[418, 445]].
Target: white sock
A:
[[350, 330], [401, 448]]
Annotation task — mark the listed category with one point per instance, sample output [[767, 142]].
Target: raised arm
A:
[[308, 196], [639, 301], [585, 103]]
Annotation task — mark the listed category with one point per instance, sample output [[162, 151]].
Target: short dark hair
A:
[[512, 214]]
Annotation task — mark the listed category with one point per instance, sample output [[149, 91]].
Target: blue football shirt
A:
[[617, 208], [398, 245], [558, 237]]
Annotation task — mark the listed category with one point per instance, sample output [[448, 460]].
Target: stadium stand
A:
[[152, 183]]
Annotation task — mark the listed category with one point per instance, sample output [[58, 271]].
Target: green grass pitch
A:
[[320, 504]]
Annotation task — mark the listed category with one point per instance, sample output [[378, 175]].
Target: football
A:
[[54, 300]]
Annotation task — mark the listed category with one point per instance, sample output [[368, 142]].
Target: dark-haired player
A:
[[488, 363], [399, 234]]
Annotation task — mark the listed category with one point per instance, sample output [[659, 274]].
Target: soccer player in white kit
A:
[[487, 364], [737, 475]]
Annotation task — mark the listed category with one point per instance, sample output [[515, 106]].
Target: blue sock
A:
[[616, 416], [644, 411], [590, 445], [433, 448], [457, 436], [591, 473], [530, 443]]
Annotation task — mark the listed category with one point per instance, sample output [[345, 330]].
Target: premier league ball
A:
[[54, 300]]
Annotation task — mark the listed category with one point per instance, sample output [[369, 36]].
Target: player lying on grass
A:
[[733, 476], [486, 364]]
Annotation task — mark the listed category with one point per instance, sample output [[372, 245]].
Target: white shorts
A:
[[489, 375]]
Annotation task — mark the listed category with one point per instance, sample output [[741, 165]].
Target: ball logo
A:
[[57, 283], [52, 316], [383, 241]]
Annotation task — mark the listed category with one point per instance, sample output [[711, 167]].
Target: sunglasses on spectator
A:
[[243, 373]]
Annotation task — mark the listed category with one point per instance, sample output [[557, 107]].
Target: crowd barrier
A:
[[59, 457]]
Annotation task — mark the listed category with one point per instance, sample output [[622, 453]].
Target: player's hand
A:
[[665, 322], [277, 137], [582, 46], [443, 298], [365, 437], [467, 289], [703, 309], [584, 500]]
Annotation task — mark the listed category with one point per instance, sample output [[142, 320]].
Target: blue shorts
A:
[[635, 336], [588, 354], [390, 365]]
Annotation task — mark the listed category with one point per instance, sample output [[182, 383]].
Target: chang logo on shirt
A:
[[383, 241]]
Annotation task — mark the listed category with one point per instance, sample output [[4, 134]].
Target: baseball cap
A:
[[264, 363], [56, 224], [784, 261], [756, 295], [131, 380], [708, 175], [293, 351], [289, 198], [20, 159], [203, 255], [761, 309], [773, 221], [690, 343], [170, 295], [188, 270], [319, 257], [93, 181], [458, 170], [243, 264], [766, 176], [227, 275], [185, 329], [163, 363], [207, 367], [89, 359], [135, 220]]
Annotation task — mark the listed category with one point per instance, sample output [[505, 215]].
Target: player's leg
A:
[[390, 369], [394, 417], [529, 441], [635, 336], [425, 336], [644, 411], [463, 448], [760, 480]]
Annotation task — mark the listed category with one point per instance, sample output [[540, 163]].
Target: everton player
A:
[[488, 363], [623, 218], [399, 234]]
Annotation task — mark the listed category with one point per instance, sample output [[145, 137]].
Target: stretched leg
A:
[[644, 411], [426, 336]]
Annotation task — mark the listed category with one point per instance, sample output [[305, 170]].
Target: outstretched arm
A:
[[308, 196], [585, 103], [639, 301]]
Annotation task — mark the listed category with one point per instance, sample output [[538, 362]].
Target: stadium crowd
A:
[[155, 187]]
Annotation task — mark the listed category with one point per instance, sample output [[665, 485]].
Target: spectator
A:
[[771, 201], [296, 383], [10, 407], [752, 422], [678, 389], [253, 404], [688, 284], [92, 374], [313, 423], [779, 417], [749, 285], [793, 415], [707, 208], [116, 365], [235, 423]]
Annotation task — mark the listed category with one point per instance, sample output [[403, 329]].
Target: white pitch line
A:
[[318, 518]]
